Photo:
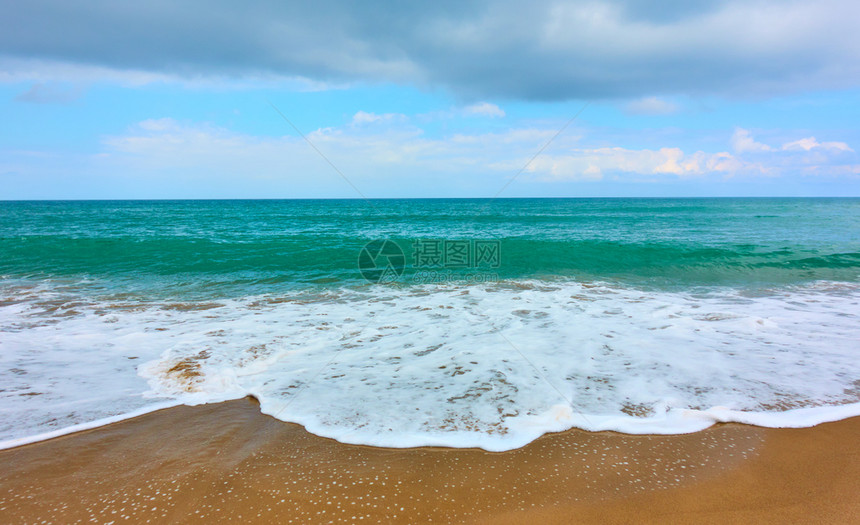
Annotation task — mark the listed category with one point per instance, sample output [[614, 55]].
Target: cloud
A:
[[484, 109], [594, 163], [544, 49], [363, 117], [159, 145], [805, 155], [49, 71], [809, 144], [651, 106], [743, 142], [165, 157], [372, 154]]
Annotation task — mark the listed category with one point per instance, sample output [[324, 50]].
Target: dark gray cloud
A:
[[536, 50]]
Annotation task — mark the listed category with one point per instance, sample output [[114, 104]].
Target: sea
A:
[[432, 322]]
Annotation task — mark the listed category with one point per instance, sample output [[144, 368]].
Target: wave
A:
[[156, 263], [490, 365]]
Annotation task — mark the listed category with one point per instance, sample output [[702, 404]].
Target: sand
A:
[[229, 462]]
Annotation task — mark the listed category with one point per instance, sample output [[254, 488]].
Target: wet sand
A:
[[229, 462]]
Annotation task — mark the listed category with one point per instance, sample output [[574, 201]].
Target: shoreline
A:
[[804, 417], [11, 444], [229, 461]]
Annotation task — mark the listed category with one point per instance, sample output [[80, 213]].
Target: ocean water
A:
[[458, 323]]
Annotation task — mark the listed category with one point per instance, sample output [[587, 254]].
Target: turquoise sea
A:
[[462, 322]]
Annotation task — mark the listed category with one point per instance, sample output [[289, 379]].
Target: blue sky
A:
[[695, 98]]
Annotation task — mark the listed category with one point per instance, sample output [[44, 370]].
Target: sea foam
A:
[[491, 365]]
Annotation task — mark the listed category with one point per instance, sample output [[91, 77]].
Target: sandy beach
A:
[[521, 262], [229, 462]]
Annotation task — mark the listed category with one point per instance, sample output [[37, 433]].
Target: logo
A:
[[381, 261]]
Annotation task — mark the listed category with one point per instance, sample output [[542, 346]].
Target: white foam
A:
[[484, 365]]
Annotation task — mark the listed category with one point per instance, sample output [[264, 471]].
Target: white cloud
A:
[[363, 117], [594, 163], [37, 70], [53, 72], [484, 109], [806, 155], [809, 144], [651, 106], [399, 158], [742, 141]]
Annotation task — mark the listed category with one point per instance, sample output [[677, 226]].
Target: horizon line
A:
[[169, 199]]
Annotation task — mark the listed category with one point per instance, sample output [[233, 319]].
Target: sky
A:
[[107, 99]]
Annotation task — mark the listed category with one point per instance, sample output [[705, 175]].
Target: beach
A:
[[227, 461], [568, 360], [443, 262]]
